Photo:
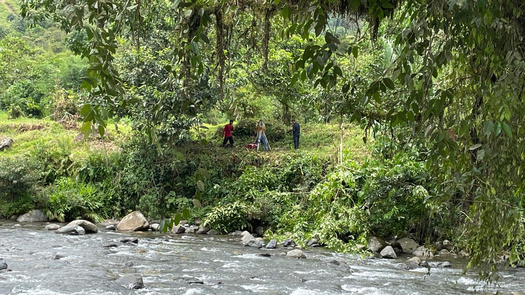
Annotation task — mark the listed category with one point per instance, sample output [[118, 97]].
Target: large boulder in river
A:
[[246, 239], [88, 226], [6, 143], [376, 244], [296, 254], [408, 245], [388, 252], [133, 221], [132, 281], [32, 216]]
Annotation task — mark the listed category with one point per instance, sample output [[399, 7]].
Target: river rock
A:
[[259, 231], [444, 252], [52, 227], [376, 244], [313, 243], [178, 229], [388, 252], [155, 226], [126, 241], [80, 230], [463, 253], [448, 245], [272, 244], [86, 225], [111, 227], [6, 143], [256, 243], [58, 257], [71, 229], [191, 230], [412, 263], [236, 233], [3, 264], [32, 216], [423, 251], [203, 229], [132, 281], [247, 239], [288, 243], [134, 221], [408, 245], [296, 254], [212, 232]]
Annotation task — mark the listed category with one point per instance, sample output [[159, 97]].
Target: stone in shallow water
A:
[[272, 244], [52, 226], [134, 221], [71, 227], [296, 254], [288, 243], [313, 243], [203, 230], [3, 264], [134, 241], [79, 230], [423, 251], [178, 229], [132, 281], [376, 244], [388, 252]]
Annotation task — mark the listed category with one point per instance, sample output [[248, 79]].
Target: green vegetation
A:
[[411, 112]]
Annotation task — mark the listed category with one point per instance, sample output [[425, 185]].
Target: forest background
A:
[[411, 117]]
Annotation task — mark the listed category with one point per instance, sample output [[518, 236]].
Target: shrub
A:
[[72, 200], [18, 178], [228, 218]]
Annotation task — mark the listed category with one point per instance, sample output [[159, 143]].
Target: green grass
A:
[[15, 4], [30, 133], [317, 139], [5, 11]]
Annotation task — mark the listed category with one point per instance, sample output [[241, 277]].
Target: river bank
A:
[[42, 262]]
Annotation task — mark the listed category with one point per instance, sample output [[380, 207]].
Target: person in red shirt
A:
[[227, 132]]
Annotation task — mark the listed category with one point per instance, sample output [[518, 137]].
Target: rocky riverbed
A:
[[34, 260]]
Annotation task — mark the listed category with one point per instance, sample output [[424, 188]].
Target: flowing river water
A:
[[42, 262]]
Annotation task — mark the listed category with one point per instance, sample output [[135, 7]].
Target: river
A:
[[42, 262]]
